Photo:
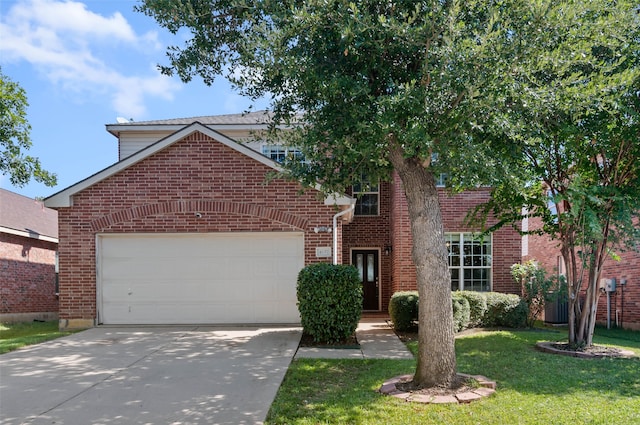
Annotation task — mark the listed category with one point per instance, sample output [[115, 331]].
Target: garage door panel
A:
[[199, 278]]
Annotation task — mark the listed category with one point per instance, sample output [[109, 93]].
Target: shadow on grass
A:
[[334, 391], [510, 358]]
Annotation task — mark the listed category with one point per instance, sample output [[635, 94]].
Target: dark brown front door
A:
[[366, 261]]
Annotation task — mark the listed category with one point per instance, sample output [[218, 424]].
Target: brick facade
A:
[[27, 276], [161, 194], [372, 232], [625, 301], [506, 242]]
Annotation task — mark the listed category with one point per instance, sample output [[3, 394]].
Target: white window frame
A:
[[358, 196], [487, 260], [285, 151]]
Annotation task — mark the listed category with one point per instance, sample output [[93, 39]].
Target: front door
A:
[[366, 261]]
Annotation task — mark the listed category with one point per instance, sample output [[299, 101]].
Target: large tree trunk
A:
[[436, 364]]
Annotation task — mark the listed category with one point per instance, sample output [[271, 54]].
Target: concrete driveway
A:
[[147, 375]]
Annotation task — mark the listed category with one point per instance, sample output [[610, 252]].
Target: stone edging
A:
[[547, 347], [485, 389]]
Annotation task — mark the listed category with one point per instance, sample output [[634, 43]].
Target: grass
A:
[[17, 335], [533, 387]]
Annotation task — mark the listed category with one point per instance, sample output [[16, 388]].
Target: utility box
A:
[[609, 285]]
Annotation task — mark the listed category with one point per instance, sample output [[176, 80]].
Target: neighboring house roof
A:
[[64, 197], [27, 217]]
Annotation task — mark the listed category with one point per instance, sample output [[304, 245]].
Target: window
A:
[[367, 198], [469, 262], [281, 153], [441, 179]]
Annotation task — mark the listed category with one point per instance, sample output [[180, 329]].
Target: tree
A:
[[572, 108], [387, 87], [15, 138]]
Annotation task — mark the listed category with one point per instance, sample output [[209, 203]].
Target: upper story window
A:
[[441, 179], [469, 261], [281, 153], [367, 198]]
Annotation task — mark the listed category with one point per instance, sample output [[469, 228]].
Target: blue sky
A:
[[84, 63]]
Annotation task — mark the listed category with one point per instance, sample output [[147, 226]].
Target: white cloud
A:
[[81, 50]]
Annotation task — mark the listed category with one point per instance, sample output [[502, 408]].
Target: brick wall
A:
[[372, 232], [27, 276], [162, 193], [506, 242], [625, 301]]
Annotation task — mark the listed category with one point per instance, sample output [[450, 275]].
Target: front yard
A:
[[533, 387]]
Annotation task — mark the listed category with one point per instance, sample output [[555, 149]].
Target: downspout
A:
[[335, 231]]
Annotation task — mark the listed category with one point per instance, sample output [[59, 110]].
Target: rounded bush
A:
[[329, 301], [505, 310], [403, 310], [461, 312], [477, 306]]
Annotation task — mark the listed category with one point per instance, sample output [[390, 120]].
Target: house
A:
[[186, 228], [622, 306], [28, 246]]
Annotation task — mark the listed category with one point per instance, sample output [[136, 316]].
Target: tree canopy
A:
[[574, 116], [15, 137], [413, 88]]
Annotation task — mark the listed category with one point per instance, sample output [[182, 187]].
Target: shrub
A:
[[537, 288], [477, 306], [403, 310], [461, 312], [506, 310], [329, 301]]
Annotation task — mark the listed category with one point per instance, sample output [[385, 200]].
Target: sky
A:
[[82, 65]]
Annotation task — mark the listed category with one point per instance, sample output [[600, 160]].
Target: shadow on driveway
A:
[[147, 375]]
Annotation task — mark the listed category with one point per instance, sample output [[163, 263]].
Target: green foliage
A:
[[329, 301], [477, 306], [506, 310], [21, 334], [570, 112], [15, 138], [537, 288], [461, 311], [403, 310]]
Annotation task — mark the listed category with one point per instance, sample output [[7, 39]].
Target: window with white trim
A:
[[281, 153], [469, 261], [367, 197]]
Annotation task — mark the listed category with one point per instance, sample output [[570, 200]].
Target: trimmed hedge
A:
[[403, 310], [477, 306], [329, 301], [461, 312], [506, 310], [470, 310]]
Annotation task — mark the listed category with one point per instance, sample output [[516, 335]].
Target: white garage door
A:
[[199, 278]]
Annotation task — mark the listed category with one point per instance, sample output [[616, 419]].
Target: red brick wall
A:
[[506, 242], [27, 275], [372, 232], [162, 193], [625, 301]]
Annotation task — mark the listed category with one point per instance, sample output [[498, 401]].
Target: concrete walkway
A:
[[377, 341]]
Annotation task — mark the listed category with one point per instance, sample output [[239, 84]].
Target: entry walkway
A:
[[377, 341]]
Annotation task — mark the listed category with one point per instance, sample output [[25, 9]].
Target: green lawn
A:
[[533, 387], [16, 335]]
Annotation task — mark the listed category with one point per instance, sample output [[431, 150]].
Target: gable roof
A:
[[23, 216], [64, 198]]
